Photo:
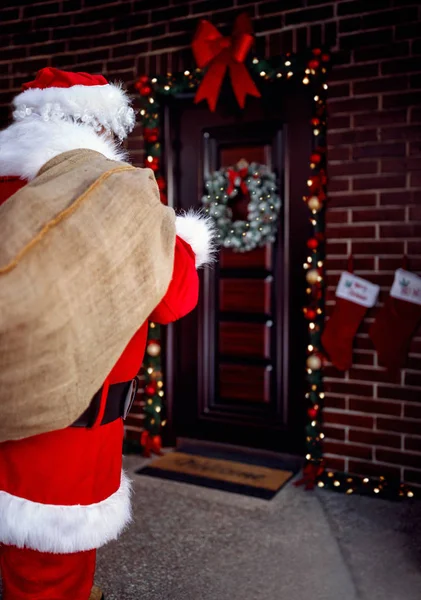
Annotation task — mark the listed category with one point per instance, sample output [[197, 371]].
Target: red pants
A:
[[31, 575]]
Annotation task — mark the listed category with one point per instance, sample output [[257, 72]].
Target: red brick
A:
[[404, 132], [352, 137], [338, 185], [391, 264], [335, 464], [397, 50], [340, 90], [413, 379], [336, 216], [312, 14], [375, 406], [373, 438], [374, 375], [413, 411], [404, 65], [352, 7], [413, 477], [398, 458], [349, 387], [415, 115], [353, 168], [362, 342], [345, 418], [414, 247], [339, 152], [336, 248], [363, 359], [349, 231], [339, 122], [352, 200], [379, 118], [341, 264], [334, 433], [396, 165], [380, 182], [401, 100], [333, 373], [353, 105], [382, 84], [348, 25], [415, 345], [414, 362], [403, 14], [391, 198], [414, 444], [363, 452], [373, 470], [401, 230], [379, 150], [381, 36], [377, 247], [398, 425], [378, 214], [415, 81], [416, 179], [350, 73]]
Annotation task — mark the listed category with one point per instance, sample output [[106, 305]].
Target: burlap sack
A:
[[86, 254]]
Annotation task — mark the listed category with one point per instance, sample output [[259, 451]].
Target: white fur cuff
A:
[[64, 529], [198, 231]]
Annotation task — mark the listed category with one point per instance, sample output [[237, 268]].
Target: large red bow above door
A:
[[220, 53]]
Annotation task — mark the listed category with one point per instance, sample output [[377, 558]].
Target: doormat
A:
[[237, 477]]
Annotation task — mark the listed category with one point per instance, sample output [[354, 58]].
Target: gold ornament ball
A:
[[314, 203], [314, 362], [312, 276], [154, 349]]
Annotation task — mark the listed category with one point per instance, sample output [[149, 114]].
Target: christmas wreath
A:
[[258, 184]]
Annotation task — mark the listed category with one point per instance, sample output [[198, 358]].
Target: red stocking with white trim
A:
[[354, 296]]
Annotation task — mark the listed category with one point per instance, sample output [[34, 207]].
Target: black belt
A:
[[119, 401]]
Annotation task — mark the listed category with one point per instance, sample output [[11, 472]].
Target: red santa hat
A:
[[80, 97]]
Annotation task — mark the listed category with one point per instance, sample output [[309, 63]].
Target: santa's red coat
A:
[[65, 491]]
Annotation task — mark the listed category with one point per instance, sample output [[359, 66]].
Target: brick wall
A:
[[372, 425]]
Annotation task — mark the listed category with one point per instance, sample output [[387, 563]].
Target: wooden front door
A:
[[235, 369]]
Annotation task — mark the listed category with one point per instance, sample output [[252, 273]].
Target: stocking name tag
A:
[[358, 290], [406, 286]]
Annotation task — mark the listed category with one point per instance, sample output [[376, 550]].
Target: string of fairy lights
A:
[[312, 69]]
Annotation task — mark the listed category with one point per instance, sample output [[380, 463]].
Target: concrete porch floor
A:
[[192, 543]]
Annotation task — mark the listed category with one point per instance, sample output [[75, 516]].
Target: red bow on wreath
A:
[[220, 53], [150, 443], [236, 179], [311, 472]]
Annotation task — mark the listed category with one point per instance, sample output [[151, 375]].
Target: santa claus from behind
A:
[[63, 493]]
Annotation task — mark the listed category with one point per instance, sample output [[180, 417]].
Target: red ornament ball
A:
[[315, 121], [151, 135], [312, 243], [313, 64], [144, 79], [312, 413], [150, 389], [145, 90], [311, 314], [325, 57], [315, 158], [317, 51]]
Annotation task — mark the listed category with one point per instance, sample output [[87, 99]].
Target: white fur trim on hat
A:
[[198, 231], [99, 106], [64, 529], [27, 145]]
